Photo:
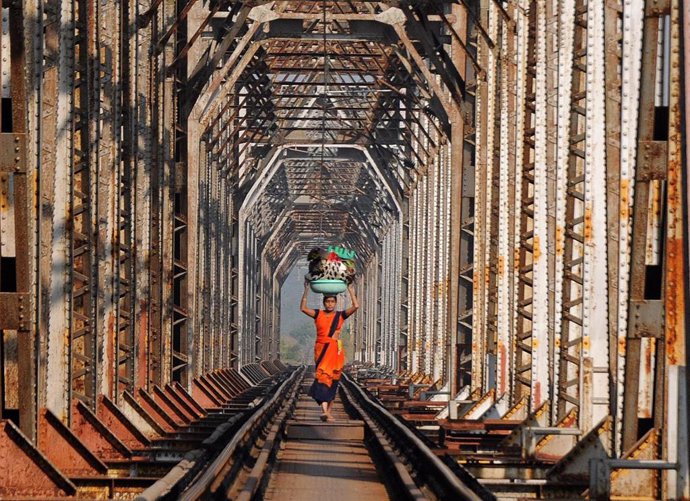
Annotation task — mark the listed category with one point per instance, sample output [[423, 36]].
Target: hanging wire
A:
[[324, 95], [324, 92]]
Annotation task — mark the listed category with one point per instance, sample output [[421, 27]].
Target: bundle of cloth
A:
[[335, 263]]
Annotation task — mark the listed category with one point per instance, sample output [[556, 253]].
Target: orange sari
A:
[[329, 356]]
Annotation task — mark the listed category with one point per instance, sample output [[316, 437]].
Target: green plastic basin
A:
[[328, 286]]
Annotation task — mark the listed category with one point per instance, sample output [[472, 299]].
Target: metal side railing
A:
[[419, 473]]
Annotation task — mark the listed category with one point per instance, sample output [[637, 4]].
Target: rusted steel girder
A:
[[650, 169], [17, 321]]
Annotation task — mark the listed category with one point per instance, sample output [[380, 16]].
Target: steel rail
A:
[[198, 476], [249, 432], [436, 476]]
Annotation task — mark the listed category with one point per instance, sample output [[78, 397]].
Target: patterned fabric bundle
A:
[[332, 264]]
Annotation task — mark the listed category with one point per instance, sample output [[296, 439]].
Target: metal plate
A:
[[12, 153], [15, 311]]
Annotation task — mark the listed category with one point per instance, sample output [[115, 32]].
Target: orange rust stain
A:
[[501, 265], [487, 274], [504, 368], [649, 355], [537, 248], [675, 302], [588, 224], [625, 200], [570, 419], [537, 393], [22, 474], [516, 259], [142, 362], [560, 240], [110, 347], [621, 346], [586, 343]]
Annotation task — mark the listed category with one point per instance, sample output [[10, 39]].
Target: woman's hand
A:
[[353, 298], [303, 303]]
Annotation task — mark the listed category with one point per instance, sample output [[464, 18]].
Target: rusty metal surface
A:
[[26, 471], [64, 449], [645, 483], [95, 435], [13, 153], [113, 418], [15, 310]]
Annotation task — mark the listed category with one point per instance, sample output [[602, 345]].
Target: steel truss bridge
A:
[[513, 175]]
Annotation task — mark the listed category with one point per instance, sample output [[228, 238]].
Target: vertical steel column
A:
[[203, 354], [403, 359], [162, 214], [457, 159], [384, 298], [116, 368], [160, 23], [183, 291], [441, 286], [83, 279], [595, 342], [33, 39], [208, 265], [226, 270], [526, 244], [480, 271], [55, 171], [124, 342], [675, 419], [540, 302], [466, 272], [570, 200], [17, 325], [432, 264], [179, 357], [427, 217], [506, 211], [381, 279], [373, 309], [212, 235], [492, 194], [235, 283], [651, 165], [613, 35], [218, 237], [399, 324], [413, 338], [275, 316], [255, 326], [241, 288], [521, 243], [631, 62]]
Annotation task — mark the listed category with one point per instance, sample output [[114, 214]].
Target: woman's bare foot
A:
[[330, 418]]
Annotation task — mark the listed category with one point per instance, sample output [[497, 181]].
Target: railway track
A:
[[119, 450], [366, 453]]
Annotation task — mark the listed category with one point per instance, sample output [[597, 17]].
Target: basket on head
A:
[[328, 287]]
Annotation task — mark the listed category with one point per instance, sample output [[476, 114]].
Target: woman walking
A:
[[329, 356]]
